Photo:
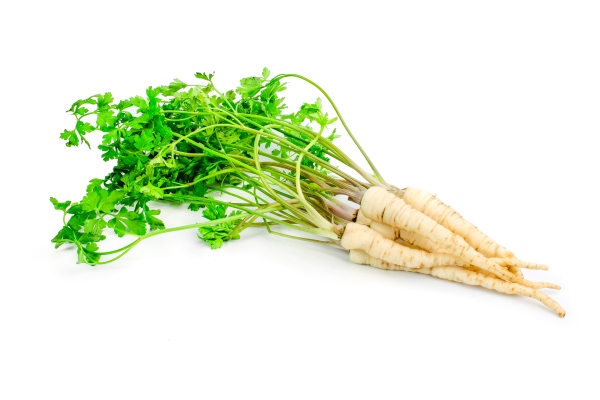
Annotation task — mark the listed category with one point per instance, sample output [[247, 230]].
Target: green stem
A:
[[339, 115]]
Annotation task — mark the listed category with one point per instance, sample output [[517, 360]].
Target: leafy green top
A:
[[182, 142]]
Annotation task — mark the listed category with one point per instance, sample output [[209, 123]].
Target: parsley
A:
[[186, 142]]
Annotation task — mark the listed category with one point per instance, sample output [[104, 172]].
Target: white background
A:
[[493, 106]]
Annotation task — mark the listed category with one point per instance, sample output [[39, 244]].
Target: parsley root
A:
[[361, 237], [431, 206], [380, 205], [242, 160], [462, 275]]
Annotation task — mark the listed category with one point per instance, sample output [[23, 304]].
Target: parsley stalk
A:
[[214, 151]]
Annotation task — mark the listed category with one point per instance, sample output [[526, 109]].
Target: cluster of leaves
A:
[[306, 116], [177, 143], [215, 235], [86, 221]]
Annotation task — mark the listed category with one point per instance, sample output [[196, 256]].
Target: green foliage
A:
[[215, 235], [180, 142]]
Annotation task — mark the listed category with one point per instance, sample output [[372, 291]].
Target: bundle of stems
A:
[[246, 161]]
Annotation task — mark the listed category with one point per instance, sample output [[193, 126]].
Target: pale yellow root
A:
[[413, 240], [390, 232], [431, 206], [361, 257], [416, 242], [382, 206], [361, 219], [515, 262], [462, 275], [357, 236], [512, 264], [419, 241], [515, 270], [386, 231], [379, 205]]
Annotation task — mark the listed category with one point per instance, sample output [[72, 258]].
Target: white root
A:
[[357, 236], [515, 262], [446, 216], [380, 205], [462, 275]]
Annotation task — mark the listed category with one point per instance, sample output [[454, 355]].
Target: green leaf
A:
[[86, 254], [105, 100], [124, 104], [95, 183], [90, 238], [214, 211], [216, 235], [91, 202], [83, 127], [119, 227], [94, 226], [101, 200], [78, 220], [109, 202], [128, 222], [65, 235], [60, 206], [174, 86], [154, 222], [108, 152], [199, 189], [71, 137], [75, 106], [105, 118], [145, 141], [249, 87], [82, 111], [204, 76], [139, 102], [266, 73], [136, 227], [111, 136], [139, 122], [152, 190]]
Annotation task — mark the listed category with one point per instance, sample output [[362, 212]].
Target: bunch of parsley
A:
[[238, 156]]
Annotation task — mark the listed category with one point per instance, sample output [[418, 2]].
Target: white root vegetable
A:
[[462, 275], [515, 262], [431, 206], [380, 205], [413, 240], [419, 241], [357, 236], [388, 232], [361, 219], [446, 216]]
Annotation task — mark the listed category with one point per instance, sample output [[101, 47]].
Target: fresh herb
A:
[[191, 143], [247, 161]]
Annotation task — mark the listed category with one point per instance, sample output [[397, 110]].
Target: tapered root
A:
[[446, 216], [362, 237], [515, 262], [457, 274], [382, 206]]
